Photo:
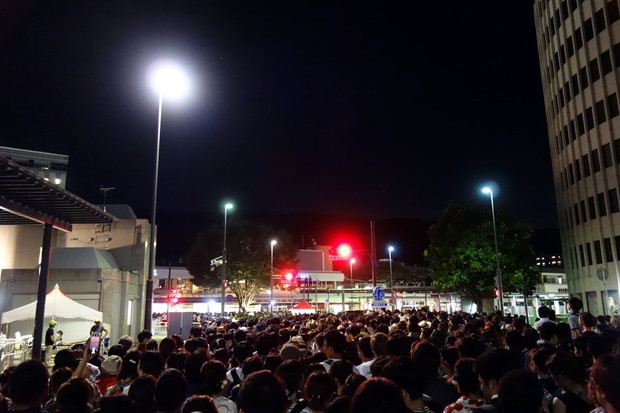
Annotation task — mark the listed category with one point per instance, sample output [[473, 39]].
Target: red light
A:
[[175, 300], [496, 292], [175, 291], [345, 250], [288, 276]]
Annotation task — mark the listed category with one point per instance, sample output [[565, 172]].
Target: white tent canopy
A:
[[57, 305]]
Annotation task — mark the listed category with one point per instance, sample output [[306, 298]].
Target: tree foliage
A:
[[462, 256], [248, 257]]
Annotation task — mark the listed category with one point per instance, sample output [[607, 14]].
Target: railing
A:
[[13, 352]]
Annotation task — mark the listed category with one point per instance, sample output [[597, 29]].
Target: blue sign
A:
[[229, 298], [378, 294]]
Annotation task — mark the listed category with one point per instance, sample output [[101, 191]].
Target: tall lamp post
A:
[[390, 249], [487, 190], [273, 244], [168, 80], [224, 262]]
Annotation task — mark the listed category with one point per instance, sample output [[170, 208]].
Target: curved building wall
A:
[[579, 49]]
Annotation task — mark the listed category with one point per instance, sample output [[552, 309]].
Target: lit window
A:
[[57, 181]]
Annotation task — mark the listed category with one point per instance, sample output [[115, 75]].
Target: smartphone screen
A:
[[94, 344]]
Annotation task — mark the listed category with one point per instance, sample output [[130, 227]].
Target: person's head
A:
[[177, 360], [549, 332], [339, 405], [364, 348], [213, 375], [111, 366], [141, 393], [379, 343], [251, 365], [28, 383], [465, 378], [116, 404], [340, 370], [587, 320], [538, 357], [378, 395], [262, 392], [491, 367], [291, 372], [126, 342], [470, 347], [575, 304], [117, 350], [599, 345], [427, 357], [202, 404], [194, 364], [64, 358], [195, 332], [514, 340], [97, 321], [290, 352], [167, 346], [272, 361], [58, 377], [129, 368], [318, 390], [144, 336], [334, 344], [150, 363], [52, 323], [605, 382], [352, 383], [544, 311], [222, 355], [169, 391], [242, 351], [614, 320], [520, 392], [565, 369], [408, 375], [75, 396]]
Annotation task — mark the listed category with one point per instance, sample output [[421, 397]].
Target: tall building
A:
[[50, 166], [579, 49]]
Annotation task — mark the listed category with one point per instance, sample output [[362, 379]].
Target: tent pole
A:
[[42, 291]]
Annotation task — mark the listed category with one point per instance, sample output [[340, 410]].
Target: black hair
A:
[[141, 393], [262, 392], [213, 374], [364, 345], [378, 395], [129, 368], [564, 364], [75, 396], [399, 345], [340, 370], [465, 376], [335, 340], [116, 404], [202, 404], [575, 304], [544, 311], [547, 330], [177, 360], [144, 335], [377, 366], [272, 361], [520, 392], [252, 364], [408, 375], [318, 390], [167, 346], [151, 363], [117, 350], [28, 383], [352, 383], [605, 374], [169, 390], [242, 351], [427, 357], [495, 364]]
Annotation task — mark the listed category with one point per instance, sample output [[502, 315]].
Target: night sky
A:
[[382, 109]]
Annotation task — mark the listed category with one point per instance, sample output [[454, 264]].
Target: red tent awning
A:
[[303, 305]]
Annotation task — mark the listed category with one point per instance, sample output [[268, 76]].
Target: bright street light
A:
[[487, 190], [168, 80], [272, 244], [227, 206]]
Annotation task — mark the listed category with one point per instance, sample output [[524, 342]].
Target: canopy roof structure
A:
[[303, 308], [27, 198], [57, 305]]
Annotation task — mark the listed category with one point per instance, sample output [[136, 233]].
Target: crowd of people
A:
[[394, 361]]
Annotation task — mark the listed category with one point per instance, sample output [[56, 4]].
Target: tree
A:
[[248, 257], [462, 256]]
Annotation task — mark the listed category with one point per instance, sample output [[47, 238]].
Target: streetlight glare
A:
[[228, 206], [168, 79], [274, 242], [352, 260], [390, 248], [486, 190]]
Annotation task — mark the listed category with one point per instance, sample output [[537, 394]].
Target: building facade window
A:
[[602, 208], [614, 204], [598, 252], [609, 257]]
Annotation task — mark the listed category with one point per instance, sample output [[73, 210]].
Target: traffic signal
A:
[[497, 292], [344, 250]]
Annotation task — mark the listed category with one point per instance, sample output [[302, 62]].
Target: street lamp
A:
[[351, 262], [273, 244], [167, 79], [487, 190], [390, 249], [223, 284]]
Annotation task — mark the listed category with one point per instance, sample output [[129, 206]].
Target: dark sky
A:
[[384, 109]]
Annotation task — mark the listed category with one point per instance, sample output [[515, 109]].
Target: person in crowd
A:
[[141, 394], [351, 384], [318, 391], [605, 383], [490, 368], [549, 333], [28, 387], [378, 394], [109, 370], [169, 391], [242, 351], [427, 357], [333, 347], [128, 373], [411, 379], [262, 392], [167, 346], [587, 322], [75, 396], [543, 313], [570, 376], [57, 379], [202, 404], [520, 392], [467, 386], [117, 404], [365, 353], [213, 377], [192, 370], [150, 363], [574, 306], [537, 364], [340, 370], [144, 337]]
